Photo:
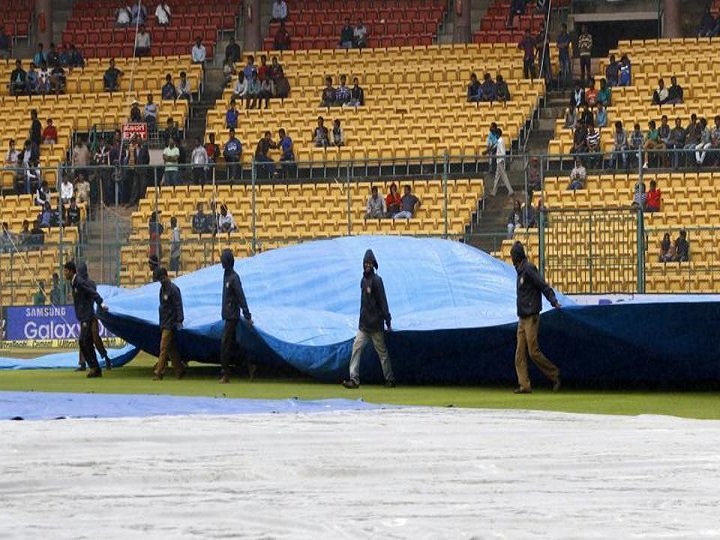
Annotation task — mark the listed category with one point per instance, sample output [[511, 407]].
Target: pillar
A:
[[43, 22], [461, 28], [672, 24], [252, 36]]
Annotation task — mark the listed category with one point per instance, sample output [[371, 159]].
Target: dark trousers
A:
[[585, 68], [139, 185], [87, 347], [529, 68], [97, 342], [228, 345]]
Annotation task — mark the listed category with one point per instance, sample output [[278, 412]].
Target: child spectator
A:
[[667, 249], [577, 175], [49, 135], [328, 94], [515, 219], [338, 135], [653, 198], [320, 134], [682, 248]]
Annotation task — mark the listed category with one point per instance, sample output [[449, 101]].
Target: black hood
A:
[[227, 259], [517, 253], [370, 257], [82, 270]]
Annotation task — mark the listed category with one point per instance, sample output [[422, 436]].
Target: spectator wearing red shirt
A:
[[264, 69], [282, 38], [591, 94], [49, 134], [212, 149], [393, 200], [652, 198]]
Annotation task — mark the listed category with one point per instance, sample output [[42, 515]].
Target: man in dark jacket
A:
[[94, 328], [373, 313], [233, 301], [171, 319], [84, 296], [529, 304]]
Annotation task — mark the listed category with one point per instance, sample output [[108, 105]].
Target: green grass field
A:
[[136, 378]]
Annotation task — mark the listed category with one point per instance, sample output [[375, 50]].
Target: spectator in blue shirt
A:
[[287, 153], [563, 45], [111, 76], [168, 89], [474, 91], [76, 59], [342, 92], [39, 57], [488, 88], [231, 116], [232, 155]]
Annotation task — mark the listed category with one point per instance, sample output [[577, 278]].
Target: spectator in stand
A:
[[489, 90], [18, 80], [45, 216], [12, 158], [652, 142], [24, 234], [338, 135], [35, 129], [501, 89], [264, 70], [73, 213], [58, 79], [652, 201], [39, 296], [682, 248], [375, 207], [579, 139], [586, 116], [639, 197], [183, 90], [266, 167], [282, 41], [229, 71], [82, 188], [692, 134], [254, 89], [704, 144], [604, 95], [39, 57], [49, 134], [138, 14], [135, 113], [249, 68], [409, 204], [67, 190], [636, 140], [327, 98], [32, 78], [393, 200], [517, 7], [43, 80], [660, 95], [675, 92], [5, 44], [122, 15], [163, 13], [667, 249], [563, 45], [142, 42], [171, 158], [232, 51], [534, 181], [200, 221], [42, 194], [571, 119], [707, 24], [347, 35], [542, 50], [664, 133], [199, 161], [232, 154], [527, 45], [240, 89], [267, 90], [52, 58], [474, 89], [515, 219], [75, 58], [282, 85], [198, 52], [360, 35], [37, 234], [601, 118], [150, 113], [168, 90], [585, 45], [578, 175], [279, 11], [715, 139], [625, 71], [591, 94], [491, 147], [226, 223], [577, 97], [500, 173], [174, 245], [275, 69], [231, 115], [212, 150], [80, 155], [155, 231], [287, 153], [593, 144], [320, 134], [342, 92], [111, 81], [676, 141]]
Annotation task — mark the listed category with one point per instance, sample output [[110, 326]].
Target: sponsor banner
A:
[[44, 323], [130, 129], [47, 344], [613, 298]]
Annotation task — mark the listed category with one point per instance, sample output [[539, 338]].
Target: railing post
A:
[[253, 179], [446, 166], [641, 251], [541, 240], [61, 221], [349, 201]]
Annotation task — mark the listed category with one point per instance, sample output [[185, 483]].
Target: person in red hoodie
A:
[[393, 200], [653, 197], [49, 134]]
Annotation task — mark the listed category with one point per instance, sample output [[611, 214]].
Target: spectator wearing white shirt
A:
[[279, 11], [226, 223], [11, 158], [142, 42], [360, 35], [240, 90], [198, 52], [376, 206], [199, 160], [67, 190], [184, 91], [500, 173], [162, 13], [150, 113], [123, 16]]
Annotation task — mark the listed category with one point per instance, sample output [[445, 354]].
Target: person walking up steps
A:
[[373, 313], [529, 287], [500, 173]]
